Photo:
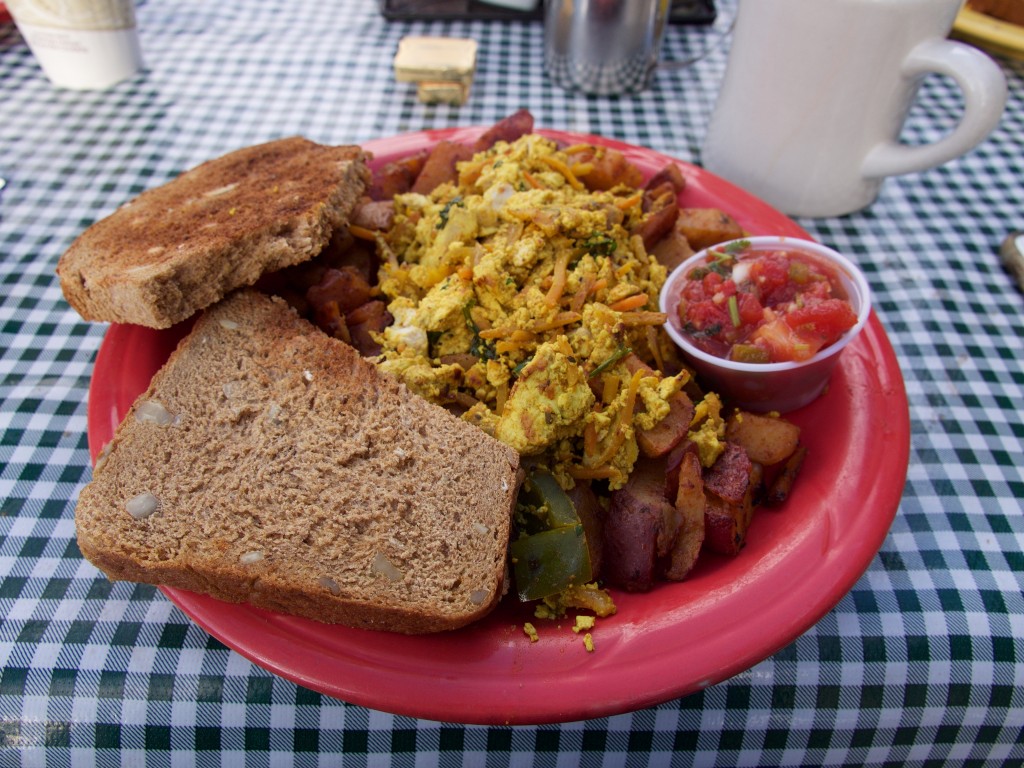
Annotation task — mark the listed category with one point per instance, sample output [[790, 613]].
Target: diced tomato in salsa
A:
[[763, 306]]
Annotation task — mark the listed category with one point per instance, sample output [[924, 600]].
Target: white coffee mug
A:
[[816, 93]]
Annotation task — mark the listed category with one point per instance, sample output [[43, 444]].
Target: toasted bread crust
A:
[[178, 248], [286, 472]]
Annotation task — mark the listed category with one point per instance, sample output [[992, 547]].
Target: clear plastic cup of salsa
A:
[[763, 320]]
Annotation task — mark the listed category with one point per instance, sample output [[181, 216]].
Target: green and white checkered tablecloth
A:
[[921, 664]]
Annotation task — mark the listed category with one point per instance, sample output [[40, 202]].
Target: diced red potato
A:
[[725, 526], [372, 317], [359, 256], [704, 227], [639, 529], [766, 439], [670, 431], [657, 197], [507, 129], [329, 319], [609, 167], [672, 174], [344, 286], [440, 166], [730, 486], [673, 249], [630, 552], [631, 532], [782, 483], [690, 504], [396, 178], [729, 477], [376, 215], [662, 211]]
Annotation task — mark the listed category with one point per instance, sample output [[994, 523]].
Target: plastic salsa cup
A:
[[766, 387]]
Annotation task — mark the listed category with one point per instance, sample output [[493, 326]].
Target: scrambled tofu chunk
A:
[[708, 429], [550, 396]]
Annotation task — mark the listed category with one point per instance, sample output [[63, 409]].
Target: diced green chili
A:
[[551, 552], [549, 562], [541, 491]]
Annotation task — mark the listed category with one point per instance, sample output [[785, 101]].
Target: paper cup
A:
[[81, 44]]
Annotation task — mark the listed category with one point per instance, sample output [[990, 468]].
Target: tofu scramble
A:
[[517, 293]]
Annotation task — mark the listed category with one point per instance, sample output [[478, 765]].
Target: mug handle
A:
[[984, 88]]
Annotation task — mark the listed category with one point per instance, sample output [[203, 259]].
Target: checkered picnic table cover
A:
[[922, 663]]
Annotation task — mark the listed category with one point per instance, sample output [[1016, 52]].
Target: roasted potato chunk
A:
[[731, 486], [704, 227], [766, 439], [690, 506]]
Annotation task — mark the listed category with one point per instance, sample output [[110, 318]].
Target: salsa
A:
[[763, 306]]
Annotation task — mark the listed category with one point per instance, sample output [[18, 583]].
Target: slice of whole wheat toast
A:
[[268, 463], [180, 247]]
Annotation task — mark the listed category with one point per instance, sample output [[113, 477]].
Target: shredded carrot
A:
[[557, 165], [575, 149], [625, 203], [466, 272], [559, 278], [580, 297], [655, 347], [625, 269], [629, 303], [362, 233], [610, 387], [582, 169], [589, 286], [626, 415], [639, 249], [511, 345], [643, 318], [559, 320], [532, 180]]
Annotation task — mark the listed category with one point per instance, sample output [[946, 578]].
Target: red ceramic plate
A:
[[730, 614]]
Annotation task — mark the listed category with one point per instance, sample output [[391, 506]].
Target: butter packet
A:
[[435, 60]]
